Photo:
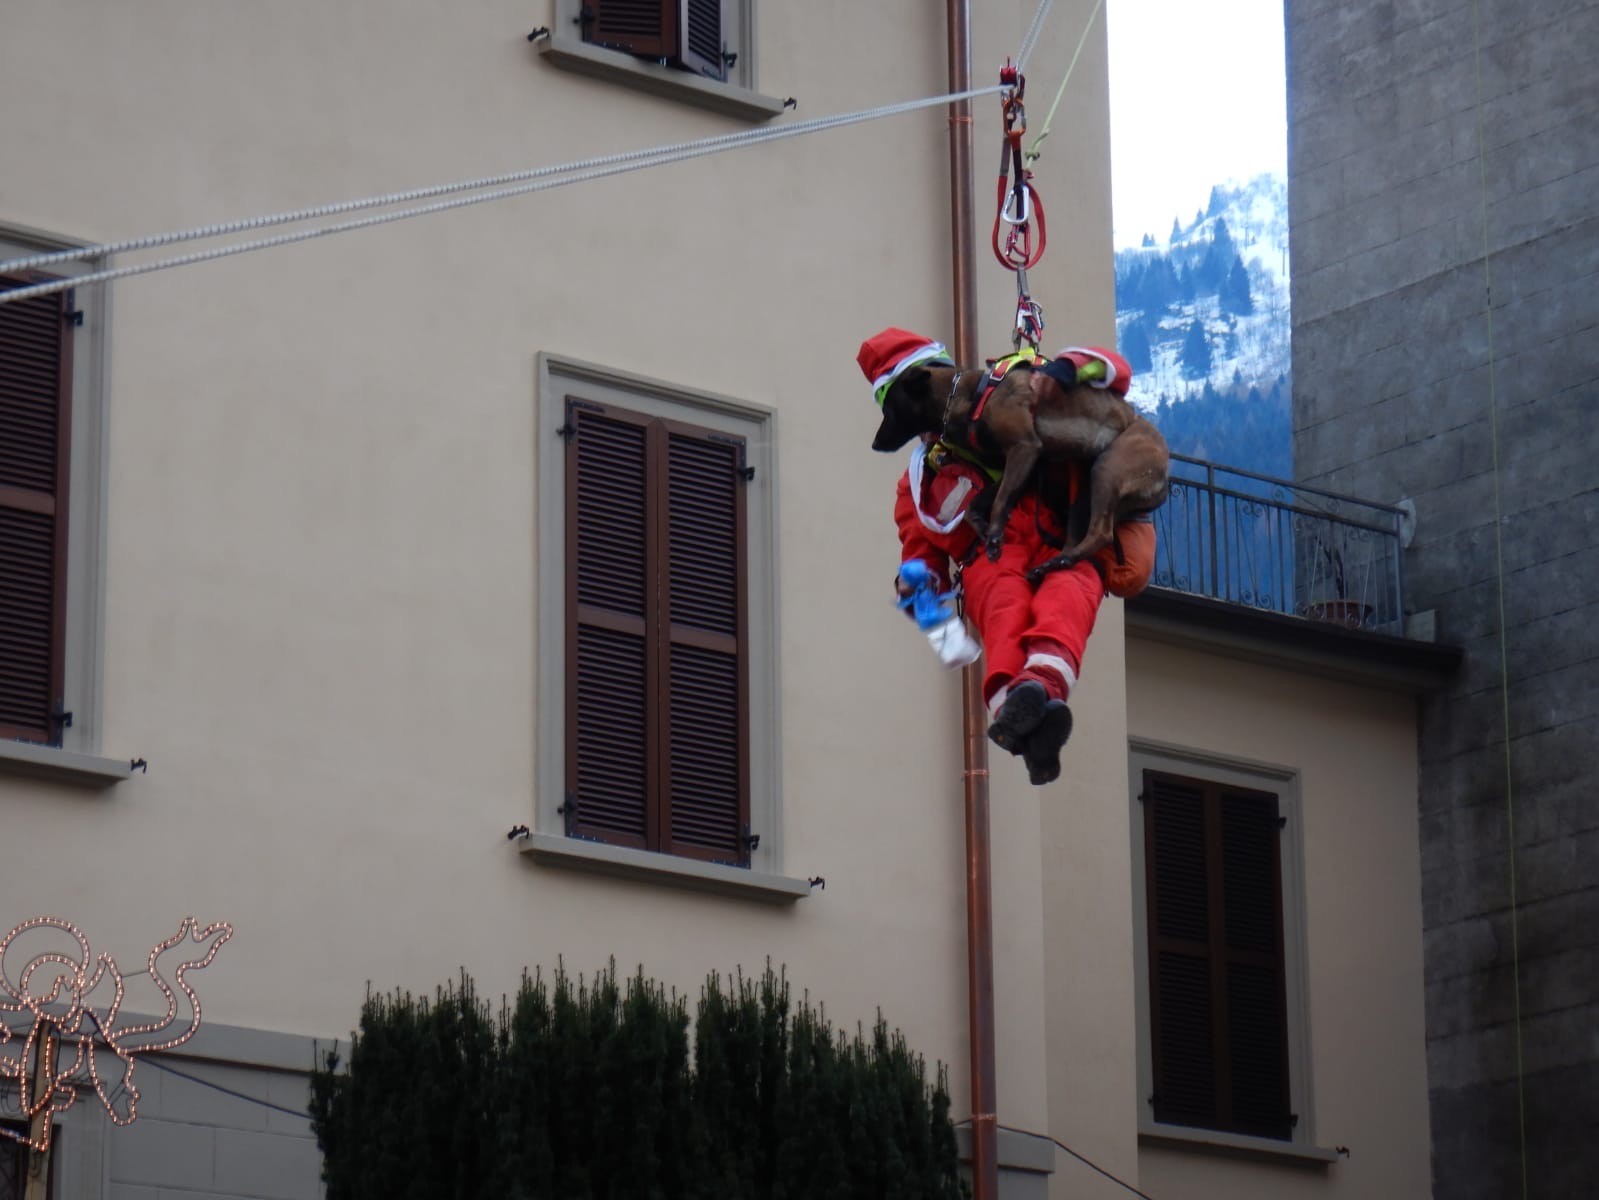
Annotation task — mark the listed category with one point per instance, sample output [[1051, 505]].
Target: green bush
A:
[[595, 1091]]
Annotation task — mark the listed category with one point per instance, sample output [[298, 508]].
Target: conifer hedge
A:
[[598, 1092]]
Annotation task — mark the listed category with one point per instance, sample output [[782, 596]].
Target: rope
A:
[[1033, 151], [635, 160], [1499, 565], [1030, 39]]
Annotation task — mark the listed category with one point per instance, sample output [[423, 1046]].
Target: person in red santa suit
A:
[[1033, 637]]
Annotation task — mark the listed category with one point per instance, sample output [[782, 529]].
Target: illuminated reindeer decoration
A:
[[59, 1022]]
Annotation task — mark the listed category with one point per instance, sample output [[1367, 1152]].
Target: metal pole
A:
[[42, 1084], [979, 891]]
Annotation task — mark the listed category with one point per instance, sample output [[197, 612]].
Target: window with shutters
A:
[[1223, 1041], [35, 474], [662, 724], [698, 51], [51, 504], [687, 34]]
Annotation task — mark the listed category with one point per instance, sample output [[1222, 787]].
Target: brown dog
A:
[[1030, 415]]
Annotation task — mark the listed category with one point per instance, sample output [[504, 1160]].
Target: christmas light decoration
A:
[[67, 1037]]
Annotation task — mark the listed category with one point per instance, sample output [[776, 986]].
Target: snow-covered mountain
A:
[[1202, 316]]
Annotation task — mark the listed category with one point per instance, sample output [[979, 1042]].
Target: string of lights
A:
[[60, 1052]]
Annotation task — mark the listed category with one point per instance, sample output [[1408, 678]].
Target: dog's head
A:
[[909, 409]]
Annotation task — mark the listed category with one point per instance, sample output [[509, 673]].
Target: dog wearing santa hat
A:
[[1074, 406]]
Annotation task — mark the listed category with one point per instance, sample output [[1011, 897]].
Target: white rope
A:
[[566, 173], [1033, 30]]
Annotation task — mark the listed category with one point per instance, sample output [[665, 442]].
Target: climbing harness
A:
[[1017, 206]]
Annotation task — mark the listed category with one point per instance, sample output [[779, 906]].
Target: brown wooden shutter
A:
[[706, 733], [647, 28], [701, 49], [657, 742], [1257, 1026], [685, 33], [611, 551], [35, 426], [1218, 1009]]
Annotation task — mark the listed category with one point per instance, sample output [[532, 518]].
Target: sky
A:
[[1197, 97]]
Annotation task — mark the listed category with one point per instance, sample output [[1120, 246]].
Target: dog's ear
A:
[[904, 410]]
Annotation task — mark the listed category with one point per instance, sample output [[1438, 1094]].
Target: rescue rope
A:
[[564, 174], [1033, 151], [533, 180], [1030, 39]]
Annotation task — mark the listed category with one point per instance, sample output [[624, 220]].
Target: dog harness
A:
[[967, 433]]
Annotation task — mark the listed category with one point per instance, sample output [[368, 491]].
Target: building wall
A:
[[1350, 752], [1443, 159], [320, 585]]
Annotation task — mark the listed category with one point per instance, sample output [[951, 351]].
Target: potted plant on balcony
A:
[[1332, 603]]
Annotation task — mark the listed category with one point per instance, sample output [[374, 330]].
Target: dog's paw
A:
[[993, 545]]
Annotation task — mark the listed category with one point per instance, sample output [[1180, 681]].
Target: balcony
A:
[[1281, 547], [1280, 571]]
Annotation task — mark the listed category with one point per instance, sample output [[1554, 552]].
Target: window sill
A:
[[554, 851], [1234, 1145], [572, 54], [64, 766]]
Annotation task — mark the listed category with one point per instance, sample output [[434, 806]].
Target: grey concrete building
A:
[[1443, 164]]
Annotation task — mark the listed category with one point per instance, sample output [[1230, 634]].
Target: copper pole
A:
[[979, 892]]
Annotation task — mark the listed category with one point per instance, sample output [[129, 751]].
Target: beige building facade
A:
[[317, 520]]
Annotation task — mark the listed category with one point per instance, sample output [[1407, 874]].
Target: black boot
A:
[[1041, 751], [1023, 710]]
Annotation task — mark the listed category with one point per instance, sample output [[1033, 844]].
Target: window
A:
[[657, 659], [15, 1162], [687, 34], [701, 52], [36, 337], [1222, 1040], [657, 667]]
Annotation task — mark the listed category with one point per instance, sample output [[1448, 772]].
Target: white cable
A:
[[567, 173], [1033, 31]]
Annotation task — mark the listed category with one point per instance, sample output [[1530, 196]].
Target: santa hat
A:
[[1099, 367], [883, 356]]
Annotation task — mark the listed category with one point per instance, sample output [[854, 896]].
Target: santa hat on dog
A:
[[1094, 366], [884, 356]]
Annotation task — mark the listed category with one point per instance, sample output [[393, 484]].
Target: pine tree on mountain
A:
[[1176, 231], [1147, 242], [1195, 356], [1136, 348], [1188, 285], [1218, 201], [1235, 293]]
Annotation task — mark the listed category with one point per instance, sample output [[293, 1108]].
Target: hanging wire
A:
[[1499, 565], [1087, 1162], [634, 160], [226, 1091]]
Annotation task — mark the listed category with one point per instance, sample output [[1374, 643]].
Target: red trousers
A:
[[1030, 633]]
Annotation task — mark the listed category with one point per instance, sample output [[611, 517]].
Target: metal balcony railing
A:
[[1270, 544]]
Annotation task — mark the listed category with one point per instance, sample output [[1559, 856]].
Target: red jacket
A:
[[939, 486]]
